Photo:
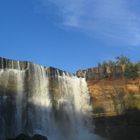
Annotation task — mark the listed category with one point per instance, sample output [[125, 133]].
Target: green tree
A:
[[138, 67], [122, 61], [131, 71], [111, 64]]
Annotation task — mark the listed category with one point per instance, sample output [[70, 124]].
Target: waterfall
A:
[[35, 100], [20, 75], [72, 108], [39, 103], [61, 114], [11, 91]]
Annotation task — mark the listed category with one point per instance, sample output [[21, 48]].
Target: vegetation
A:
[[128, 69], [131, 71], [122, 60], [133, 101]]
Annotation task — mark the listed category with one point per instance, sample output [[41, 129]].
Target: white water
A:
[[66, 115], [11, 91], [40, 101], [73, 108], [19, 99]]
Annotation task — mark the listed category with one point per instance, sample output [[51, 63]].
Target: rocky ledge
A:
[[26, 137]]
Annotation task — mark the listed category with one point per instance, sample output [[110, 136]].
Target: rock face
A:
[[39, 137], [116, 103], [111, 93], [12, 64], [23, 137], [46, 101], [98, 73]]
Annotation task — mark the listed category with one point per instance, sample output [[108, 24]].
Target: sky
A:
[[69, 34]]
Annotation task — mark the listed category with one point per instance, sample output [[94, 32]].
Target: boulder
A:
[[22, 137], [26, 137], [39, 137]]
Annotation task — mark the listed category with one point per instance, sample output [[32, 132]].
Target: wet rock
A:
[[39, 137], [22, 137], [26, 137]]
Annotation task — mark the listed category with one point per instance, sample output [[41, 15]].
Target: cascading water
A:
[[11, 91], [72, 108], [31, 102], [39, 103]]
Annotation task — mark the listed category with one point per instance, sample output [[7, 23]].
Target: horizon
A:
[[69, 35], [95, 66]]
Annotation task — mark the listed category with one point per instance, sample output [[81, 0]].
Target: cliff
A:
[[114, 97], [111, 93], [52, 102], [116, 102], [39, 100]]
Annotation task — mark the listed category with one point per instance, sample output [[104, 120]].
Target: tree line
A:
[[130, 70]]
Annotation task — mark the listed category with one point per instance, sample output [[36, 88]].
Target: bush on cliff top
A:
[[131, 71]]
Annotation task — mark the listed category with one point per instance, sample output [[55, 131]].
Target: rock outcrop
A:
[[111, 93], [26, 137], [113, 97], [116, 103], [39, 137], [98, 73]]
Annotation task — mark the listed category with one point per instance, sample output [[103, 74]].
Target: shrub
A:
[[131, 71]]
